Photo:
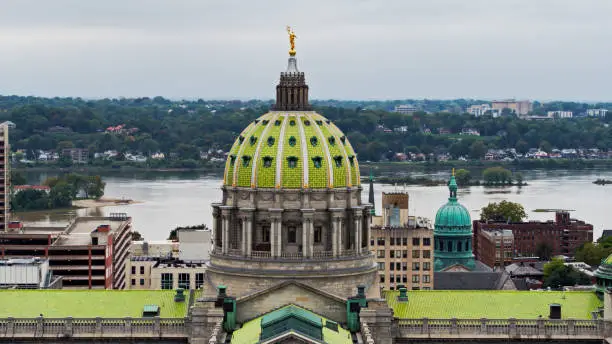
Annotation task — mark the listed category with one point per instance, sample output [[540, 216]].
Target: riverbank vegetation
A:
[[61, 192], [187, 131], [602, 181]]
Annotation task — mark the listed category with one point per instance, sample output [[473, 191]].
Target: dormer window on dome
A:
[[313, 141], [332, 141], [267, 161], [245, 160], [317, 161], [292, 141], [338, 161], [270, 141], [252, 140], [292, 161]]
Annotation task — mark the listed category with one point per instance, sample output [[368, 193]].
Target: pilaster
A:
[[276, 219], [357, 214], [307, 228]]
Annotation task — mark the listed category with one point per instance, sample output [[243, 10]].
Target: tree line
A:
[[62, 191], [184, 128]]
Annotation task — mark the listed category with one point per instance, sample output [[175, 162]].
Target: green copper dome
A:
[[453, 234], [453, 215], [603, 275], [291, 150]]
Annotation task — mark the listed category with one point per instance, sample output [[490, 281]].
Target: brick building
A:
[[496, 247], [403, 245], [563, 236]]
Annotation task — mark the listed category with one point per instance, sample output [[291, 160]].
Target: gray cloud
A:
[[350, 49]]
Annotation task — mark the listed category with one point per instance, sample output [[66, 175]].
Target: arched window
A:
[[338, 161], [245, 160], [291, 235], [252, 140], [292, 141], [313, 141], [317, 161], [332, 140], [441, 245], [277, 123], [271, 141], [292, 161], [449, 246]]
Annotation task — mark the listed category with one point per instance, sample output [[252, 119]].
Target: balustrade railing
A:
[[98, 327], [288, 255], [261, 254], [322, 254], [500, 327]]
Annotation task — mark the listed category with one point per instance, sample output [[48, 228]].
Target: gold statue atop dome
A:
[[291, 40]]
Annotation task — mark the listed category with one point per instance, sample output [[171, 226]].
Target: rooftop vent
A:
[[180, 295], [150, 311], [555, 311], [403, 295]]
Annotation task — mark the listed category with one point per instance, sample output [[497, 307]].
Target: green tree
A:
[[558, 275], [503, 211], [497, 175], [477, 150], [94, 187], [136, 236], [546, 146], [463, 177], [522, 146], [518, 176], [18, 179], [64, 161], [30, 199], [60, 195], [544, 250]]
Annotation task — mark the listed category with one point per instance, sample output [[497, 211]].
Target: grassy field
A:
[[492, 304], [88, 304]]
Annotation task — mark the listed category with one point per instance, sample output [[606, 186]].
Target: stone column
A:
[[249, 243], [243, 237], [225, 213], [368, 215], [307, 229], [357, 213], [336, 215], [276, 232], [215, 226]]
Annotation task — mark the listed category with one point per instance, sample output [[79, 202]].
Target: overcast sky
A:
[[349, 49]]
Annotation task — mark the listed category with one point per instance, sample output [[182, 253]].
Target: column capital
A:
[[275, 213], [226, 210], [358, 211]]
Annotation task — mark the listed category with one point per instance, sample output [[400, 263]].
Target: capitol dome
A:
[[292, 150], [291, 207], [603, 275]]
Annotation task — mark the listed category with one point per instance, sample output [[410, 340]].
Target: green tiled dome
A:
[[292, 150]]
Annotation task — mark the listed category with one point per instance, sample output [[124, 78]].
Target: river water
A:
[[171, 200]]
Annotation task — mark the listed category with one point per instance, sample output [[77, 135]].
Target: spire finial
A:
[[292, 37], [452, 187]]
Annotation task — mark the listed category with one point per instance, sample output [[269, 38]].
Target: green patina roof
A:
[[608, 261], [453, 216], [250, 332], [89, 303], [493, 304], [292, 150]]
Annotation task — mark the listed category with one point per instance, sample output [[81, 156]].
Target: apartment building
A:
[[597, 112], [402, 245], [90, 253], [77, 155], [560, 114], [5, 175], [520, 107]]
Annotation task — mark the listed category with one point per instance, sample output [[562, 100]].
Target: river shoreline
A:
[[365, 167]]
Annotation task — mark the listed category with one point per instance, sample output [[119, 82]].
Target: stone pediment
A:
[[291, 293]]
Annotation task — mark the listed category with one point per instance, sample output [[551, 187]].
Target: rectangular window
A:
[[142, 270], [415, 288], [382, 278], [404, 253], [381, 266], [404, 278], [292, 235], [416, 254], [391, 254], [371, 242], [199, 282], [426, 279], [426, 266], [405, 241], [397, 266], [318, 234], [398, 253], [426, 288], [398, 279], [391, 266], [416, 241], [133, 281], [265, 234], [416, 266], [426, 242], [415, 278], [404, 266], [166, 281], [381, 253], [183, 281], [142, 281], [392, 241], [381, 241], [133, 270], [426, 254]]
